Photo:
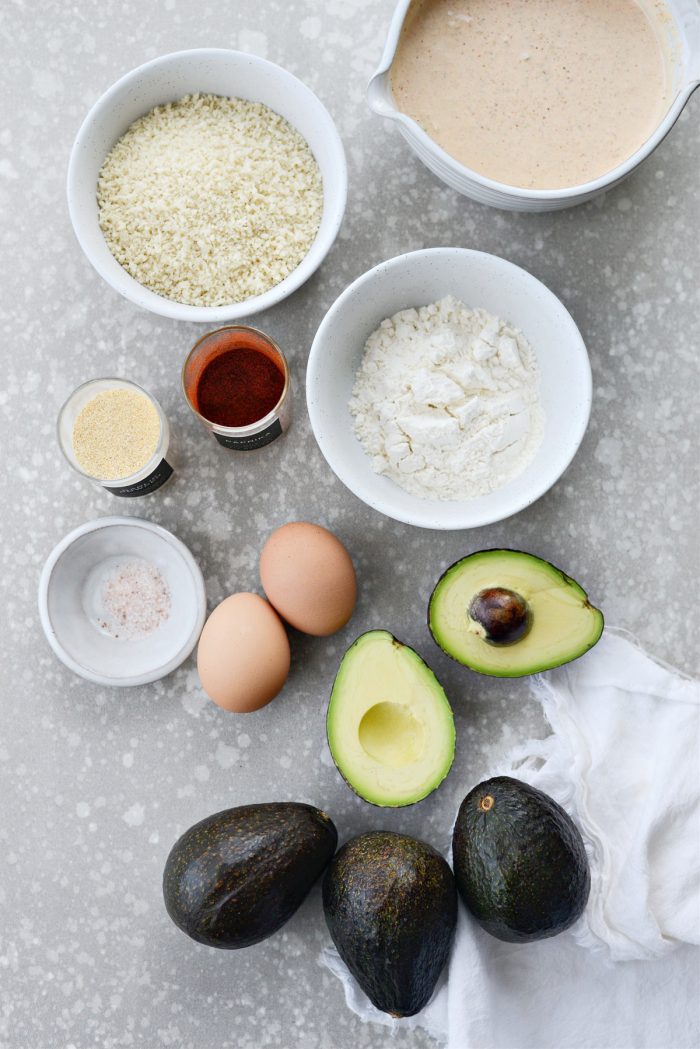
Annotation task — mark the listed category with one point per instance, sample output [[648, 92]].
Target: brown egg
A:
[[243, 654], [308, 576]]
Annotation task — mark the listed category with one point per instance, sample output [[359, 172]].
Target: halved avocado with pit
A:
[[390, 726], [506, 613]]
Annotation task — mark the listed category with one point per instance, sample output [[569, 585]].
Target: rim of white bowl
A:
[[149, 300], [426, 518], [163, 669]]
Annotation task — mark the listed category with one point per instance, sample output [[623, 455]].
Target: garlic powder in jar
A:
[[114, 433]]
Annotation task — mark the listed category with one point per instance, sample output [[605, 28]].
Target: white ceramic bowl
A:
[[69, 601], [477, 279], [684, 40], [166, 79]]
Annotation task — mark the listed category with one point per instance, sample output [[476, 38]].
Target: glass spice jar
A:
[[116, 434], [236, 381]]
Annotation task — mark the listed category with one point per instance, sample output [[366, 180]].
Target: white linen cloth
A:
[[623, 759]]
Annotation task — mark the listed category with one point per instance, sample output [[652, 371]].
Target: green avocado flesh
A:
[[390, 726], [519, 861], [236, 877], [561, 623], [391, 908]]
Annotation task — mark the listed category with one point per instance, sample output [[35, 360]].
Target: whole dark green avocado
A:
[[519, 860], [391, 907], [236, 877]]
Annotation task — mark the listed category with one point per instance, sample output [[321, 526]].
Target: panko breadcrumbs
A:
[[210, 200]]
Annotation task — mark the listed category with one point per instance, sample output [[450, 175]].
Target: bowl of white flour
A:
[[448, 388]]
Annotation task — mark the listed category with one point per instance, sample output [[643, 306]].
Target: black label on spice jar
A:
[[253, 440], [160, 475]]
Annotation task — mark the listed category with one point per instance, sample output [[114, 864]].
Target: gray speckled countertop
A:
[[96, 784]]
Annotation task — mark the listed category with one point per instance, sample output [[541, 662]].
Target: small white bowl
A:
[[683, 31], [478, 280], [167, 79], [69, 599]]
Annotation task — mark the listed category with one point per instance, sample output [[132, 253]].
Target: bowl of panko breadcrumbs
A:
[[207, 185]]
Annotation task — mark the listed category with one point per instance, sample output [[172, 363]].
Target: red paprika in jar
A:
[[236, 380]]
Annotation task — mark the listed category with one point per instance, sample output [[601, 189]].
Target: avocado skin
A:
[[236, 877], [521, 868], [390, 903]]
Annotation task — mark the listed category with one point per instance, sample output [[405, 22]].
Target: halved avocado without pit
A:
[[506, 613], [390, 726]]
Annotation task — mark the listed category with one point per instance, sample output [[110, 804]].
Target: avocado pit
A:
[[504, 616]]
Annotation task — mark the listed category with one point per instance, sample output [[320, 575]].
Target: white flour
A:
[[446, 401]]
